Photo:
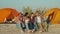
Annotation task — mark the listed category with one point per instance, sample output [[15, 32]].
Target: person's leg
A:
[[40, 27], [23, 27], [47, 26], [44, 26], [35, 26], [27, 26], [31, 26], [19, 25], [38, 24]]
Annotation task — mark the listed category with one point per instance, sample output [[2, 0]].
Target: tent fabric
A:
[[13, 11], [56, 15], [7, 13]]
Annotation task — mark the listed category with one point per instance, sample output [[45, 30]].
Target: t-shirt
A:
[[21, 19], [27, 20], [32, 19], [38, 19]]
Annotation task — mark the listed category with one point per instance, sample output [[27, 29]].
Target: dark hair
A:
[[26, 13], [32, 13]]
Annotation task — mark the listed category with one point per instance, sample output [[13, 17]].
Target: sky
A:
[[20, 4]]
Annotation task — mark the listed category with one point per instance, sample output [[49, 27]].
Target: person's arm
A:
[[14, 19], [21, 21], [45, 18], [5, 20], [41, 16], [17, 19]]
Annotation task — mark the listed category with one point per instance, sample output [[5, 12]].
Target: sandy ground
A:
[[11, 29]]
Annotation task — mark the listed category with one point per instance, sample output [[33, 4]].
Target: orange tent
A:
[[7, 13], [55, 13]]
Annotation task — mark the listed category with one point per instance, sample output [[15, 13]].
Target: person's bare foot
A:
[[29, 31], [40, 31], [33, 30], [21, 31]]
